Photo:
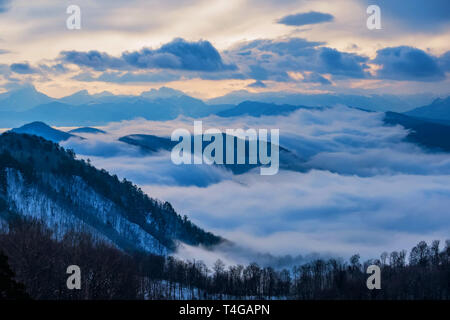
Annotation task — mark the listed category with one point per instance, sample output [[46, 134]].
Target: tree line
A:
[[33, 264]]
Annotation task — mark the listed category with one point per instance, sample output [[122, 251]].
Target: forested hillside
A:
[[40, 179]]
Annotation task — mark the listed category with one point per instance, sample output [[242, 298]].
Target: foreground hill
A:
[[40, 179]]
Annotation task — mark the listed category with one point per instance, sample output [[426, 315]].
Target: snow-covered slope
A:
[[39, 179]]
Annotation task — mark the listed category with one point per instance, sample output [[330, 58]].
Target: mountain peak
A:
[[439, 109], [22, 98], [43, 130], [163, 92]]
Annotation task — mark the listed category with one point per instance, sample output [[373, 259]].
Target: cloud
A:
[[260, 60], [290, 46], [267, 59], [93, 59], [56, 69], [407, 63], [179, 59], [301, 19], [295, 213], [22, 68], [179, 54], [127, 161], [342, 63]]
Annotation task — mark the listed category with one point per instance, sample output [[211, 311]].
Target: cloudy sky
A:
[[209, 48]]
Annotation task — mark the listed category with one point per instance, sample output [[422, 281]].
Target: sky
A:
[[211, 48]]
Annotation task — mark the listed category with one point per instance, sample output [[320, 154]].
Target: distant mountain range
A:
[[82, 108], [258, 109], [374, 102], [26, 104]]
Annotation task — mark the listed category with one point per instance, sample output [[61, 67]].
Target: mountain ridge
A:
[[438, 110], [40, 179]]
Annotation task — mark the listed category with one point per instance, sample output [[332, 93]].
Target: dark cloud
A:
[[291, 46], [341, 63], [273, 59], [96, 60], [259, 72], [408, 63], [22, 68], [179, 54], [4, 51], [259, 60], [58, 68], [301, 19]]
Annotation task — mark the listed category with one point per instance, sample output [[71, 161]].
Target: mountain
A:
[[84, 97], [150, 144], [41, 180], [87, 130], [78, 97], [438, 111], [258, 109], [42, 130], [162, 93], [22, 98], [374, 102], [120, 108], [428, 134]]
